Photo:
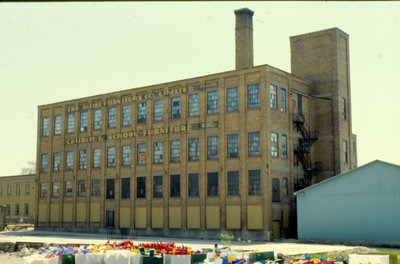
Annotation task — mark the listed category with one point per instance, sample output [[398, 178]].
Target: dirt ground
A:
[[33, 239]]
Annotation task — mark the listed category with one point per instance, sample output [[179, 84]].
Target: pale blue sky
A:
[[51, 52]]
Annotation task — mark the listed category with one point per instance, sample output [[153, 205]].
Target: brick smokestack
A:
[[244, 38]]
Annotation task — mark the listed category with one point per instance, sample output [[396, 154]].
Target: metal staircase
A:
[[302, 152]]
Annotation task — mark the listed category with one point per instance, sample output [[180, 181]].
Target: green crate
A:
[[198, 258], [146, 259], [257, 256], [68, 259]]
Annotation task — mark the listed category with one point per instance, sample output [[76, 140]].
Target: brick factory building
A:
[[218, 153]]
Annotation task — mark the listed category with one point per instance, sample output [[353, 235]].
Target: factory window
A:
[[126, 115], [253, 96], [157, 187], [175, 150], [43, 189], [97, 119], [233, 146], [158, 152], [212, 148], [276, 190], [68, 188], [126, 155], [96, 158], [26, 212], [158, 110], [110, 188], [274, 144], [300, 104], [141, 187], [284, 146], [272, 90], [45, 127], [18, 190], [233, 183], [17, 209], [81, 188], [56, 161], [142, 112], [112, 117], [45, 162], [57, 125], [175, 186], [84, 120], [55, 189], [27, 187], [110, 157], [283, 100], [175, 107], [212, 184], [254, 182], [69, 164], [194, 185], [194, 105], [8, 209], [345, 152], [95, 187], [344, 108], [125, 188], [232, 99], [141, 154], [254, 144], [8, 190], [82, 159], [212, 102], [193, 149], [70, 123]]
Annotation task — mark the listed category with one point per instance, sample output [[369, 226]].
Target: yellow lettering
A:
[[135, 133], [183, 128], [156, 131], [130, 134], [125, 135], [162, 130]]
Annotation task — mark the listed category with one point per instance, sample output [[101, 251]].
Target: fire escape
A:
[[302, 153]]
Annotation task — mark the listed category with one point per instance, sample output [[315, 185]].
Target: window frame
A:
[[158, 110], [253, 96], [193, 149], [232, 142], [254, 177], [232, 99], [175, 107], [212, 102], [254, 144], [273, 104], [126, 115], [141, 113], [274, 144], [193, 105], [175, 150], [233, 183], [212, 148], [83, 121], [70, 123]]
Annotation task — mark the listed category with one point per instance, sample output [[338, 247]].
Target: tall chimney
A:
[[244, 38]]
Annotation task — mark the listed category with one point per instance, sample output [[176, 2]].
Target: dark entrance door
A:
[[109, 218]]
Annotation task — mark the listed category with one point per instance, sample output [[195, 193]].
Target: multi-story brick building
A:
[[224, 151], [18, 194]]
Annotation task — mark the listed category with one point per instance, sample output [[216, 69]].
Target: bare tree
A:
[[30, 168]]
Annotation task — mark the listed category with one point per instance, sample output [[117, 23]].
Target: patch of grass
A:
[[391, 252]]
